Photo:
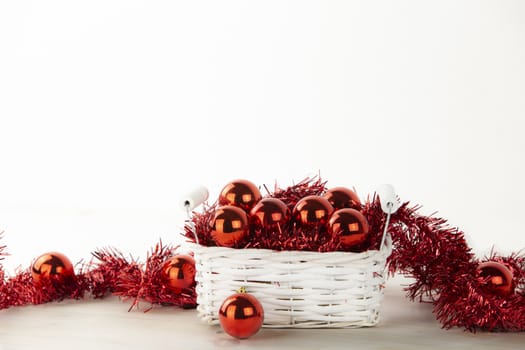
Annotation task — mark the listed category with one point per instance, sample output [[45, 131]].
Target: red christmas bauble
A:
[[311, 211], [52, 266], [496, 277], [350, 227], [178, 273], [229, 225], [241, 315], [269, 213], [342, 197], [240, 193]]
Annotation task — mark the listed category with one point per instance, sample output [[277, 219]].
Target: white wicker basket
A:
[[297, 289]]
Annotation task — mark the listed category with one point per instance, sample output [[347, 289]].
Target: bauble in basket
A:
[[229, 225], [312, 211], [342, 197], [350, 227], [240, 193], [270, 213]]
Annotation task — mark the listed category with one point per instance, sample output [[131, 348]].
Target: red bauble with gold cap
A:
[[241, 315]]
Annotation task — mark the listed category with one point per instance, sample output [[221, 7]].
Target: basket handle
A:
[[192, 200], [389, 205]]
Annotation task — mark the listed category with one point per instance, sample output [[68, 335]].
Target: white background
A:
[[118, 108], [111, 110]]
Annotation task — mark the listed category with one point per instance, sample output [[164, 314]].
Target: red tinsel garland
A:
[[435, 255], [444, 270], [109, 273]]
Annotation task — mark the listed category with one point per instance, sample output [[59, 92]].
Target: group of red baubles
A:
[[486, 294], [243, 212]]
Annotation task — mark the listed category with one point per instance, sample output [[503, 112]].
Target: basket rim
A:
[[386, 249]]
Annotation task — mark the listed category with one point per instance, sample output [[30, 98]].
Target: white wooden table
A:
[[106, 324]]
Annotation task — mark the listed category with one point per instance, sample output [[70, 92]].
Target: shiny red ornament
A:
[[342, 197], [52, 266], [496, 277], [241, 315], [178, 273], [350, 227], [240, 193], [229, 225], [270, 213], [312, 211]]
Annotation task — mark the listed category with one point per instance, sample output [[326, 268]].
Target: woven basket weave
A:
[[297, 289]]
